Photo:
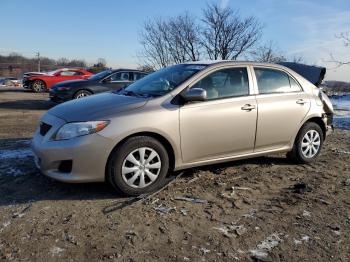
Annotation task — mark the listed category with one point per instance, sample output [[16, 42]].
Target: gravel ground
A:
[[262, 209]]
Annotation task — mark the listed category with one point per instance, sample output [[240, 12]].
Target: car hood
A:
[[76, 82], [96, 107]]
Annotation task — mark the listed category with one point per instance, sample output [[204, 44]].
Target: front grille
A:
[[44, 128]]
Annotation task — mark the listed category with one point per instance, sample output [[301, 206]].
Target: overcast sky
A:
[[109, 29]]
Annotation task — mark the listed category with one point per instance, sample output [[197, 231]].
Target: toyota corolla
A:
[[183, 116]]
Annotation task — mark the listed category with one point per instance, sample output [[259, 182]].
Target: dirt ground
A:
[[262, 209]]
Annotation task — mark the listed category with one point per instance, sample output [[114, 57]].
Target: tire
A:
[[308, 144], [38, 86], [126, 176], [82, 94]]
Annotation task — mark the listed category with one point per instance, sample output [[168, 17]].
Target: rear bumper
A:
[[329, 130], [328, 120]]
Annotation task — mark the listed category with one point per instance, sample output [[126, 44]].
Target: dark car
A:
[[104, 81]]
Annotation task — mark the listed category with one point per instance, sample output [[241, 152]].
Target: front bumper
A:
[[26, 84], [87, 154], [59, 97]]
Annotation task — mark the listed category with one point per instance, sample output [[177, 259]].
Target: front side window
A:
[[115, 77], [78, 73], [225, 83], [100, 75], [274, 81]]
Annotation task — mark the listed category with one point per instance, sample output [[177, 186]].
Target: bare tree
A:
[[268, 53], [146, 68], [154, 47], [184, 33], [345, 36], [167, 42], [298, 59], [102, 62], [62, 61], [226, 35]]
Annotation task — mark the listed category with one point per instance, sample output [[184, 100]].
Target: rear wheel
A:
[[38, 86], [308, 143], [81, 94], [138, 166]]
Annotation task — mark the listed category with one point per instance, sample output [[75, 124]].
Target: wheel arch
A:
[[38, 79], [165, 142], [319, 121], [314, 119], [82, 89]]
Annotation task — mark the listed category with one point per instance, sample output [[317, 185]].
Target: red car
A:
[[40, 83]]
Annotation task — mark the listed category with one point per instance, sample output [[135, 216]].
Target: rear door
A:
[[282, 106], [138, 75]]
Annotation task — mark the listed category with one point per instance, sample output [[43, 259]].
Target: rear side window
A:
[[78, 73], [138, 76], [274, 81]]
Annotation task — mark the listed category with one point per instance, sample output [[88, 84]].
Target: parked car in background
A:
[[104, 81], [183, 116], [43, 82], [10, 81]]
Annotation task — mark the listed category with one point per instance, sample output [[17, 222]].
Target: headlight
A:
[[71, 130]]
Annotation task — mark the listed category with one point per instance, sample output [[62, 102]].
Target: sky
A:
[[109, 29]]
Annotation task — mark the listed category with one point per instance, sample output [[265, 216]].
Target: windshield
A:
[[53, 72], [100, 75], [163, 81]]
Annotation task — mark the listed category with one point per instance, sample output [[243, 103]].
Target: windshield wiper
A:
[[125, 92], [130, 93]]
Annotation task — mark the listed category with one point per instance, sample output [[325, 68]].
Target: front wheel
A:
[[308, 143], [81, 94], [38, 86], [138, 166]]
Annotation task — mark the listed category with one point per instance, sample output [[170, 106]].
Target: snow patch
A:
[[16, 153], [262, 250], [56, 251]]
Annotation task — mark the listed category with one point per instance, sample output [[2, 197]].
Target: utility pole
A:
[[38, 56]]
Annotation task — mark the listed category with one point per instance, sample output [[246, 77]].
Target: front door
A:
[[223, 125], [118, 80]]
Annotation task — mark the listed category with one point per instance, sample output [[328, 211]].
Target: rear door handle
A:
[[248, 107], [301, 101]]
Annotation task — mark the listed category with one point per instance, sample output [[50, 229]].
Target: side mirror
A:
[[195, 94]]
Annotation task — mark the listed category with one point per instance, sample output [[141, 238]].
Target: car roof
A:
[[215, 62], [127, 69]]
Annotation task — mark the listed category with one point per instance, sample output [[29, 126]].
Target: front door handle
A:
[[301, 101], [248, 107]]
